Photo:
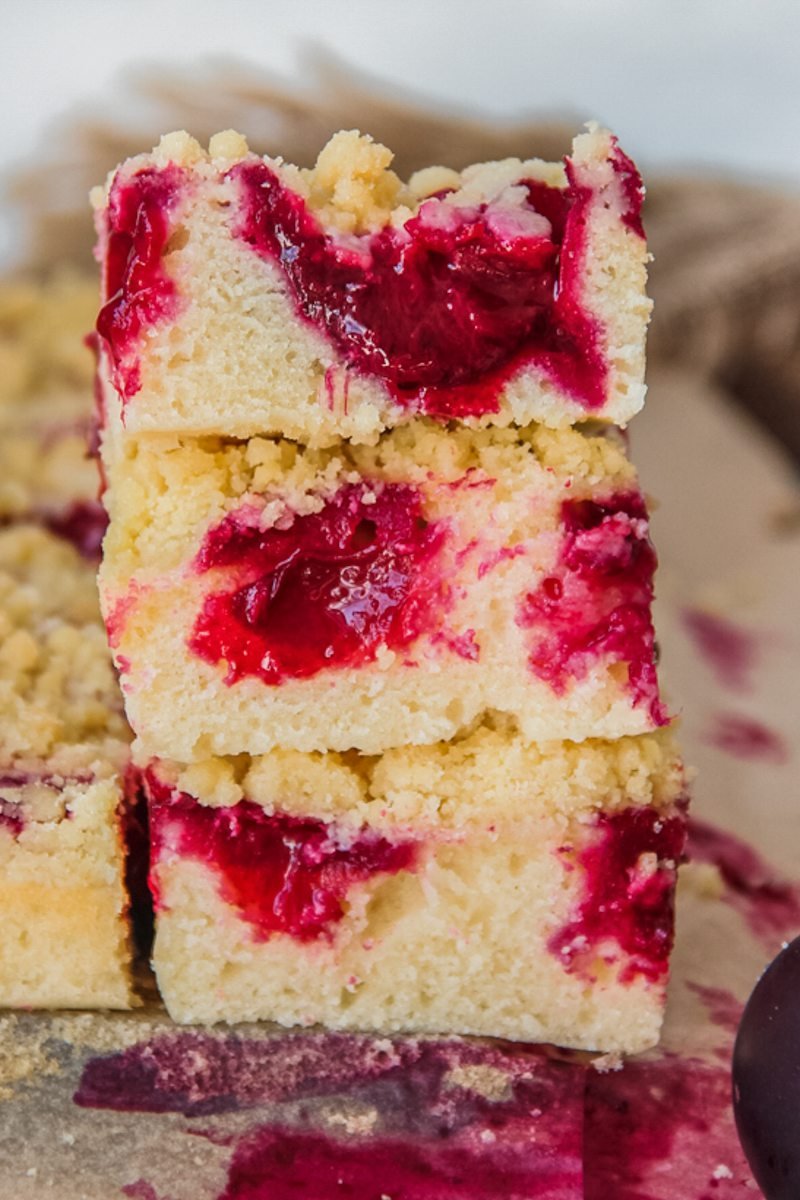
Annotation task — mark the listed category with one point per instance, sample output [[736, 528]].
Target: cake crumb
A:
[[481, 1080], [607, 1062], [228, 146]]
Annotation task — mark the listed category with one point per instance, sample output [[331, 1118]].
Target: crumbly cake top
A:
[[509, 289], [351, 188], [159, 508], [59, 700], [449, 785]]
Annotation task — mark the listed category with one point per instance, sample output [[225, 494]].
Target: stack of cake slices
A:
[[65, 808], [378, 583]]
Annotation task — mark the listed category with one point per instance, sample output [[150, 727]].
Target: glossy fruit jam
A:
[[629, 868], [139, 291], [447, 307], [596, 603], [328, 591], [284, 874]]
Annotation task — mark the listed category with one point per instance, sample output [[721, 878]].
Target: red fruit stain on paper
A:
[[730, 650], [747, 738]]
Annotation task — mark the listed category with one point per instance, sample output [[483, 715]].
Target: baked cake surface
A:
[[261, 595], [63, 760], [244, 296], [484, 886]]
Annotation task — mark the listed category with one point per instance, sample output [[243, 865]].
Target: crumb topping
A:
[[59, 698], [448, 785]]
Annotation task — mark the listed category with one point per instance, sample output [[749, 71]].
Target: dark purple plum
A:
[[766, 1077]]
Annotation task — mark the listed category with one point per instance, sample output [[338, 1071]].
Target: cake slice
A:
[[483, 886], [260, 594], [46, 472], [244, 296], [63, 803]]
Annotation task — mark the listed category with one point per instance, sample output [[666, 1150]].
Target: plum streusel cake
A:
[[63, 763], [485, 885], [378, 582], [260, 594], [243, 296]]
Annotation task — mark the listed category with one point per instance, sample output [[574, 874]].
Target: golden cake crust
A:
[[239, 361]]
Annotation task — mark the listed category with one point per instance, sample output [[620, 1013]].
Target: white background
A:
[[711, 83]]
